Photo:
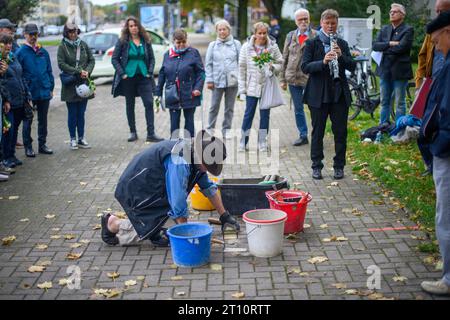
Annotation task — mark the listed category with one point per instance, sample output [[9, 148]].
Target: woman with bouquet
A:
[[258, 57]]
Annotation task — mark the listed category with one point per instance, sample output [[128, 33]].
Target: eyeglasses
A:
[[394, 12], [303, 19]]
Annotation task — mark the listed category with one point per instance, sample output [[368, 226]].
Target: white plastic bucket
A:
[[265, 231]]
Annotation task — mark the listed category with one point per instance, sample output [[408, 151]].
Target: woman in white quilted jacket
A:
[[251, 81]]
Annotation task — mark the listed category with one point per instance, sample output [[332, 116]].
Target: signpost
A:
[[155, 17]]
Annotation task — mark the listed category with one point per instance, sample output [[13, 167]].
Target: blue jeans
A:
[[175, 117], [264, 117], [300, 119], [389, 89], [42, 112], [75, 119]]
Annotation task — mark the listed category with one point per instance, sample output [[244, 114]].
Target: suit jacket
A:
[[396, 61], [319, 73]]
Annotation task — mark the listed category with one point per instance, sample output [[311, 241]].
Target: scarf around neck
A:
[[229, 38], [74, 43], [176, 52]]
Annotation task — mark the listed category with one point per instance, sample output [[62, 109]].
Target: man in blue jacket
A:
[[436, 131], [156, 184], [37, 72]]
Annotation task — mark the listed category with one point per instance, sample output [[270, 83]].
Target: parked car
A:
[[102, 45], [83, 27], [51, 30]]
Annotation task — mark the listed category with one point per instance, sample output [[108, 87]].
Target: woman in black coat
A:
[[134, 62], [182, 76]]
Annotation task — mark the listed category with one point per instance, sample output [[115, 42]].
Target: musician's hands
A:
[[337, 50], [329, 57]]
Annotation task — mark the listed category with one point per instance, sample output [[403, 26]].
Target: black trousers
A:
[[142, 86], [338, 115], [42, 113], [175, 117]]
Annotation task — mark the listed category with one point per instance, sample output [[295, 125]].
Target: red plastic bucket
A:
[[294, 203]]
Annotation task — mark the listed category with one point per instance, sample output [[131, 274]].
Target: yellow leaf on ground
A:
[[294, 270], [50, 216], [112, 293], [181, 293], [429, 260], [130, 283], [339, 285], [176, 278], [97, 227], [215, 267], [73, 256], [113, 275], [303, 274], [323, 226], [64, 282], [141, 278], [319, 259], [375, 296], [24, 220], [34, 269], [351, 292], [334, 184], [8, 240], [69, 236], [44, 263], [45, 285], [75, 245], [13, 197], [399, 279], [306, 226], [55, 236], [83, 183], [173, 266], [121, 215], [85, 241], [99, 215], [439, 265], [238, 295], [56, 229], [41, 246], [341, 239]]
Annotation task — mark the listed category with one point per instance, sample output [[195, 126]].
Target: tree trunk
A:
[[242, 19], [274, 7]]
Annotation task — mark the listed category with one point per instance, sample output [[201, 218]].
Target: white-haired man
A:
[[395, 42], [292, 75]]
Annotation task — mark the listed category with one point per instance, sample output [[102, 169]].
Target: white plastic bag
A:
[[271, 95]]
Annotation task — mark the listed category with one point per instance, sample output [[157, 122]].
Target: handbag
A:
[[171, 94], [28, 111], [232, 79], [271, 96], [420, 100], [67, 78]]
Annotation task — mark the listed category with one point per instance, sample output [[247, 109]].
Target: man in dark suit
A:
[[395, 42], [327, 94]]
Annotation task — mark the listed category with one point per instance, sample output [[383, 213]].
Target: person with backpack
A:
[[292, 75], [222, 59]]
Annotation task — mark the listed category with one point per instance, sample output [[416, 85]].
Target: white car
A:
[[102, 44]]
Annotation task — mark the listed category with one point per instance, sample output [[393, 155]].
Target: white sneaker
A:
[[82, 143], [436, 287], [73, 144], [4, 177]]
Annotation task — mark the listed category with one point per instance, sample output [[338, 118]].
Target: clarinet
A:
[[333, 64]]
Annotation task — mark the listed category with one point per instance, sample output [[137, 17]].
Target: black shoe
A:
[[317, 174], [17, 161], [228, 220], [300, 141], [29, 152], [160, 239], [45, 150], [338, 173], [108, 236], [133, 137], [154, 138]]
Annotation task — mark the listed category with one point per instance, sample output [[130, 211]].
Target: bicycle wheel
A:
[[372, 84], [356, 105]]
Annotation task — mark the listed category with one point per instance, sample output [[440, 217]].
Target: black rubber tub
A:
[[241, 195]]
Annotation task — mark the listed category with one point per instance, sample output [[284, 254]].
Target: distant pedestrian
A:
[[134, 62], [252, 79], [292, 74], [181, 76], [80, 68], [394, 41], [222, 72], [37, 72], [275, 30]]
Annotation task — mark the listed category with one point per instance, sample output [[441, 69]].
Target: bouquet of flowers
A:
[[264, 58], [3, 56], [6, 125]]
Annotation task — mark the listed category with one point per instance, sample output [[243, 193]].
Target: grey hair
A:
[[329, 13], [400, 6], [303, 10], [223, 22]]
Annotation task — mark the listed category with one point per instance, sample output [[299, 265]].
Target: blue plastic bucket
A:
[[190, 244]]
